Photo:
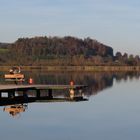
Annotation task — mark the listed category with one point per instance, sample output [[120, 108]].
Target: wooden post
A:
[[11, 94], [38, 93], [50, 93], [25, 95], [72, 93]]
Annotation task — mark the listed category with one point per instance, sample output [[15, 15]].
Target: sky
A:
[[115, 23]]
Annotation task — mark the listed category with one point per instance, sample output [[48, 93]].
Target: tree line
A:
[[62, 51]]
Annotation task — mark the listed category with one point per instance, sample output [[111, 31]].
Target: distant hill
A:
[[41, 49], [55, 46], [57, 51]]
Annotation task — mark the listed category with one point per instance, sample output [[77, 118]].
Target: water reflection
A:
[[96, 81], [15, 110], [17, 103]]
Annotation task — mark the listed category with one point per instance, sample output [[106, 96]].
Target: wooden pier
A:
[[23, 95], [9, 87]]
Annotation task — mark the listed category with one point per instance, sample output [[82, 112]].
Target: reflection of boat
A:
[[15, 74], [14, 97], [15, 110]]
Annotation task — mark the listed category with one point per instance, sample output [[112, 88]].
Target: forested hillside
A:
[[61, 51]]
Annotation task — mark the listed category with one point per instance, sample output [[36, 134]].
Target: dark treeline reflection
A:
[[96, 81]]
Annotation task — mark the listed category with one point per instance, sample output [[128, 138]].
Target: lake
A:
[[111, 111]]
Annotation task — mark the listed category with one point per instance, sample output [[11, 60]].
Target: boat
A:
[[14, 74]]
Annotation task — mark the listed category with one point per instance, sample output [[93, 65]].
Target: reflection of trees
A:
[[126, 76], [96, 81]]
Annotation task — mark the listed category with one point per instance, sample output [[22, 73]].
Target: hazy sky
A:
[[113, 22]]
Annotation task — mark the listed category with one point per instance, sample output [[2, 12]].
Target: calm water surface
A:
[[112, 111]]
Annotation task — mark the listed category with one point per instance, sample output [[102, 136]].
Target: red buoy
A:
[[30, 81]]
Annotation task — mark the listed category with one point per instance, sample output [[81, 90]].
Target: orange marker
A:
[[30, 81]]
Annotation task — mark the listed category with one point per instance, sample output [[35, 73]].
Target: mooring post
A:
[[72, 93], [38, 93], [50, 93], [25, 95], [11, 94]]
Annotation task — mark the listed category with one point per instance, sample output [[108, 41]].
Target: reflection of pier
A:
[[15, 94]]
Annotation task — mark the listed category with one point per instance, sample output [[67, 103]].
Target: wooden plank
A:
[[14, 76]]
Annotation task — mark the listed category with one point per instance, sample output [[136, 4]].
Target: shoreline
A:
[[76, 68]]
